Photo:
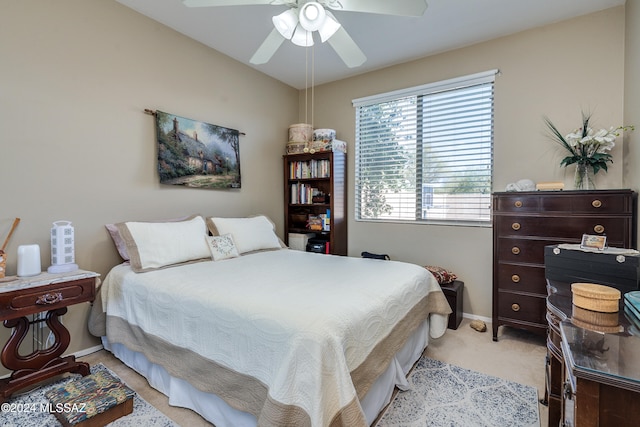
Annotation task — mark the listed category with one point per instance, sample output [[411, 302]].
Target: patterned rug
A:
[[445, 395], [26, 409]]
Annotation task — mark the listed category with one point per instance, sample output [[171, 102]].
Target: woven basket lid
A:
[[595, 297]]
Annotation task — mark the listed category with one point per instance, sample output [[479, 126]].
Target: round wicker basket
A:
[[594, 317], [597, 328], [591, 296]]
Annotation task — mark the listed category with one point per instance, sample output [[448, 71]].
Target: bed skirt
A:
[[218, 412]]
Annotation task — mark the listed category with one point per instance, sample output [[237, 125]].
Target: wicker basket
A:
[[591, 296], [3, 263], [598, 318], [597, 328]]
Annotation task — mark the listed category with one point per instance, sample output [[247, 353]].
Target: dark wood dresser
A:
[[525, 222]]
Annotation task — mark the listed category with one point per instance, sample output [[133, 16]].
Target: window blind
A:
[[426, 153]]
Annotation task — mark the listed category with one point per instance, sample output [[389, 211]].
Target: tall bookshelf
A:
[[315, 187]]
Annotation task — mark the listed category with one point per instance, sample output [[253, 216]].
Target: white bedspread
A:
[[298, 323]]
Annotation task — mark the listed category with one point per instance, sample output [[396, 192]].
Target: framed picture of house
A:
[[197, 154]]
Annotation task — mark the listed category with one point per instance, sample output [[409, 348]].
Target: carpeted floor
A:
[[29, 409], [441, 395]]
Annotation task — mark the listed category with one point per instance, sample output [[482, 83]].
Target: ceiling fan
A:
[[303, 18]]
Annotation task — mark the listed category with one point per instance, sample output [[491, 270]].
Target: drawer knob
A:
[[515, 278], [518, 203], [599, 228], [515, 250], [515, 226], [596, 203], [48, 299], [515, 307]]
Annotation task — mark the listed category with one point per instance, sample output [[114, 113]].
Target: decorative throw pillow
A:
[[222, 247], [442, 275]]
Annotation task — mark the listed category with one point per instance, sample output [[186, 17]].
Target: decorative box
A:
[[594, 297], [94, 400]]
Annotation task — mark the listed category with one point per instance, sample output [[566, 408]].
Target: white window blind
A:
[[426, 153]]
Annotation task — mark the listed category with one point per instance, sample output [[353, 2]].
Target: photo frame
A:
[[197, 154], [590, 241]]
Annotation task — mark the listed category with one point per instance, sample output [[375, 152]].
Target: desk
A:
[[582, 391], [602, 378], [52, 293]]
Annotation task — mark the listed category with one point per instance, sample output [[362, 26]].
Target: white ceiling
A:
[[238, 31]]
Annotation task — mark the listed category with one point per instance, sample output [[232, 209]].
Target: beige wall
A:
[[76, 145], [632, 94], [556, 71]]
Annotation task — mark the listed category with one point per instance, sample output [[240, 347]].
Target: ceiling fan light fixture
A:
[[286, 23], [312, 16], [302, 37], [329, 27]]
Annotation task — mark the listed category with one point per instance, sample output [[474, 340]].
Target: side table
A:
[[453, 292], [52, 293]]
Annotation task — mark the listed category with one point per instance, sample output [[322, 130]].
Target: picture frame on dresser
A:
[[525, 222]]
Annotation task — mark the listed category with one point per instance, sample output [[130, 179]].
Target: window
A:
[[425, 154]]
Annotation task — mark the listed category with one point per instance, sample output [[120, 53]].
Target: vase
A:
[[584, 179]]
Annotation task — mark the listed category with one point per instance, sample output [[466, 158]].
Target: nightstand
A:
[[52, 293]]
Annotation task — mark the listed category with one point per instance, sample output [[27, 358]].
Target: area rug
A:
[[446, 395], [25, 411]]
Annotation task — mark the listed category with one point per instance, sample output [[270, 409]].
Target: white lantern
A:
[[62, 248]]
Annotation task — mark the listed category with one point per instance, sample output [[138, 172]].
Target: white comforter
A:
[[299, 323]]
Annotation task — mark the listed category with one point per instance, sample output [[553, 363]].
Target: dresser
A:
[[525, 222]]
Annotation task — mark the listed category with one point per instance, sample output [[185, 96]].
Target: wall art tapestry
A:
[[197, 154]]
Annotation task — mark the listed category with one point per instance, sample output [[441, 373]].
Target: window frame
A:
[[487, 77]]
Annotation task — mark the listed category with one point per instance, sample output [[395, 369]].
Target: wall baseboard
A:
[[474, 317]]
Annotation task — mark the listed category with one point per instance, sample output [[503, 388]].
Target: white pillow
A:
[[155, 245], [249, 234], [222, 247]]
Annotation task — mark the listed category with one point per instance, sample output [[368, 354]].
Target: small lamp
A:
[[302, 37], [329, 27], [62, 248], [286, 23], [312, 16]]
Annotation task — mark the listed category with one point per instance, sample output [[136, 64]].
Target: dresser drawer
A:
[[528, 251], [520, 278], [516, 203], [525, 308], [593, 204], [616, 229], [45, 298]]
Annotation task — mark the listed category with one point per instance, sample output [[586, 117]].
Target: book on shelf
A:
[[310, 169], [305, 194]]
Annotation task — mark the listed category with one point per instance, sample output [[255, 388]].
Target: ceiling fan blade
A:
[[212, 3], [384, 7], [268, 47], [347, 49]]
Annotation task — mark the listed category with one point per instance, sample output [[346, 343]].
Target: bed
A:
[[269, 336]]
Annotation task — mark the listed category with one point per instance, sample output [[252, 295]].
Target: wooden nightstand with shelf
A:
[[314, 186], [23, 297]]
